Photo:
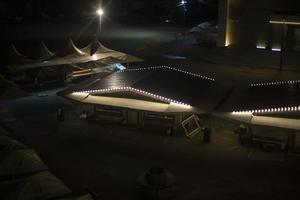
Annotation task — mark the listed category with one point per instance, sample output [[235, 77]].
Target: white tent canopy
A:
[[20, 162], [13, 52], [9, 144], [39, 186], [72, 55], [129, 59], [14, 56], [96, 48], [72, 50], [44, 52]]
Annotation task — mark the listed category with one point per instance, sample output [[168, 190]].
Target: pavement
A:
[[107, 158]]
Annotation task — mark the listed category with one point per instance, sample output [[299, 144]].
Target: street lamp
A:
[[100, 13], [183, 5]]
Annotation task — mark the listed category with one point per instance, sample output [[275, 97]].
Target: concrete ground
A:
[[107, 158], [234, 75]]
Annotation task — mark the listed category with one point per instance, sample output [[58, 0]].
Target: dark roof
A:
[[270, 95], [185, 87]]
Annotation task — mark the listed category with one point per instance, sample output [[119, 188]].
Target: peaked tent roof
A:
[[72, 50], [110, 60], [96, 47], [129, 59], [20, 162], [91, 65], [39, 186], [44, 52], [71, 55], [14, 56]]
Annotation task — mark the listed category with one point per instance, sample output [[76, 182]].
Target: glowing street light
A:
[[100, 12], [183, 4]]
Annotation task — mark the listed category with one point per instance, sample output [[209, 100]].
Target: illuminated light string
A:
[[165, 99], [167, 67], [275, 83], [268, 110], [284, 22], [276, 49], [261, 47]]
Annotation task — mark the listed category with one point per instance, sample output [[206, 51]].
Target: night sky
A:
[[144, 10]]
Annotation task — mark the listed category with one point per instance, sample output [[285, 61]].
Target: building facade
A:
[[263, 24]]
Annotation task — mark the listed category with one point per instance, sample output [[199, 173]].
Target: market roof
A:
[[270, 97], [270, 104], [164, 84]]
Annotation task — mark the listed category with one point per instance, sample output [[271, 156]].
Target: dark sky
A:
[[123, 9]]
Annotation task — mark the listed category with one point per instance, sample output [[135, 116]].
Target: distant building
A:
[[263, 24]]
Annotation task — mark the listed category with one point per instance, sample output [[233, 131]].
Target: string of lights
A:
[[275, 83], [268, 110], [170, 68], [122, 89]]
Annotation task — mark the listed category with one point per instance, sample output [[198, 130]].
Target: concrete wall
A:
[[222, 24]]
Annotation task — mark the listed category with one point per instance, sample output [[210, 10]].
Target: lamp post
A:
[[99, 13], [183, 5]]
